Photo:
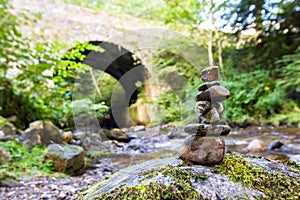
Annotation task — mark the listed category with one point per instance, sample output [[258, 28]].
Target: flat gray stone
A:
[[206, 85], [212, 116], [207, 129], [213, 94]]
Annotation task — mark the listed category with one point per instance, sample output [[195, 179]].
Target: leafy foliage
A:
[[26, 161]]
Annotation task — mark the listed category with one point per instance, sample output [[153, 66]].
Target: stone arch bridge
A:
[[128, 44]]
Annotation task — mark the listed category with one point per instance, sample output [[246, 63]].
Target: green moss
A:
[[4, 121], [180, 188], [274, 186]]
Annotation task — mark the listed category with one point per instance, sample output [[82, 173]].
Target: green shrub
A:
[[26, 161]]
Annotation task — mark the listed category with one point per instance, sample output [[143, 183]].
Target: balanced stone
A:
[[206, 85], [202, 106], [212, 116], [207, 129], [210, 74], [219, 106], [203, 150], [213, 94]]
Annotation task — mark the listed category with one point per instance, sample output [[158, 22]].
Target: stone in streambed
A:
[[213, 94], [206, 85], [202, 106], [203, 150], [210, 74], [66, 158], [207, 129], [212, 116]]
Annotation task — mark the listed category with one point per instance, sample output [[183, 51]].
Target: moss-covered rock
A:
[[237, 177], [6, 127]]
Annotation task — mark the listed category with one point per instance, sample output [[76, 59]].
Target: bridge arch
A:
[[127, 69]]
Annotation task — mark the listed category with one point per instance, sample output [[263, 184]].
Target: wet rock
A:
[[66, 158], [213, 94], [67, 136], [275, 145], [202, 106], [295, 158], [116, 134], [7, 179], [6, 127], [139, 128], [257, 145], [91, 141], [206, 85], [42, 133], [6, 138], [207, 129], [4, 156], [210, 74], [203, 150], [211, 116]]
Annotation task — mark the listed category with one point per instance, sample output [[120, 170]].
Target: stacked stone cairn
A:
[[205, 146]]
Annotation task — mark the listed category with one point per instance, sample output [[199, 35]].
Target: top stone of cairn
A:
[[210, 74]]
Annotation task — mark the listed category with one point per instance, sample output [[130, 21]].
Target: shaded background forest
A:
[[255, 43]]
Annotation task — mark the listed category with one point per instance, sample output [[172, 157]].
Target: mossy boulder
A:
[[237, 177], [8, 179], [6, 127]]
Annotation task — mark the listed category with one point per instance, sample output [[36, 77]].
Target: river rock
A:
[[210, 74], [139, 128], [8, 179], [213, 94], [207, 129], [275, 145], [4, 156], [202, 106], [66, 158], [203, 150], [169, 179], [257, 145], [206, 85], [42, 133], [116, 134], [212, 116], [6, 127], [67, 136]]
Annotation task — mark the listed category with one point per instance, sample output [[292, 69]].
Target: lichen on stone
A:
[[275, 185]]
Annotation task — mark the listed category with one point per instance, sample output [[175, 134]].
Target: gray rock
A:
[[219, 106], [6, 138], [212, 116], [275, 145], [210, 74], [139, 128], [116, 134], [42, 133], [6, 127], [203, 150], [202, 106], [207, 130], [4, 156], [257, 145], [8, 179], [206, 85], [213, 94], [67, 159], [216, 186]]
